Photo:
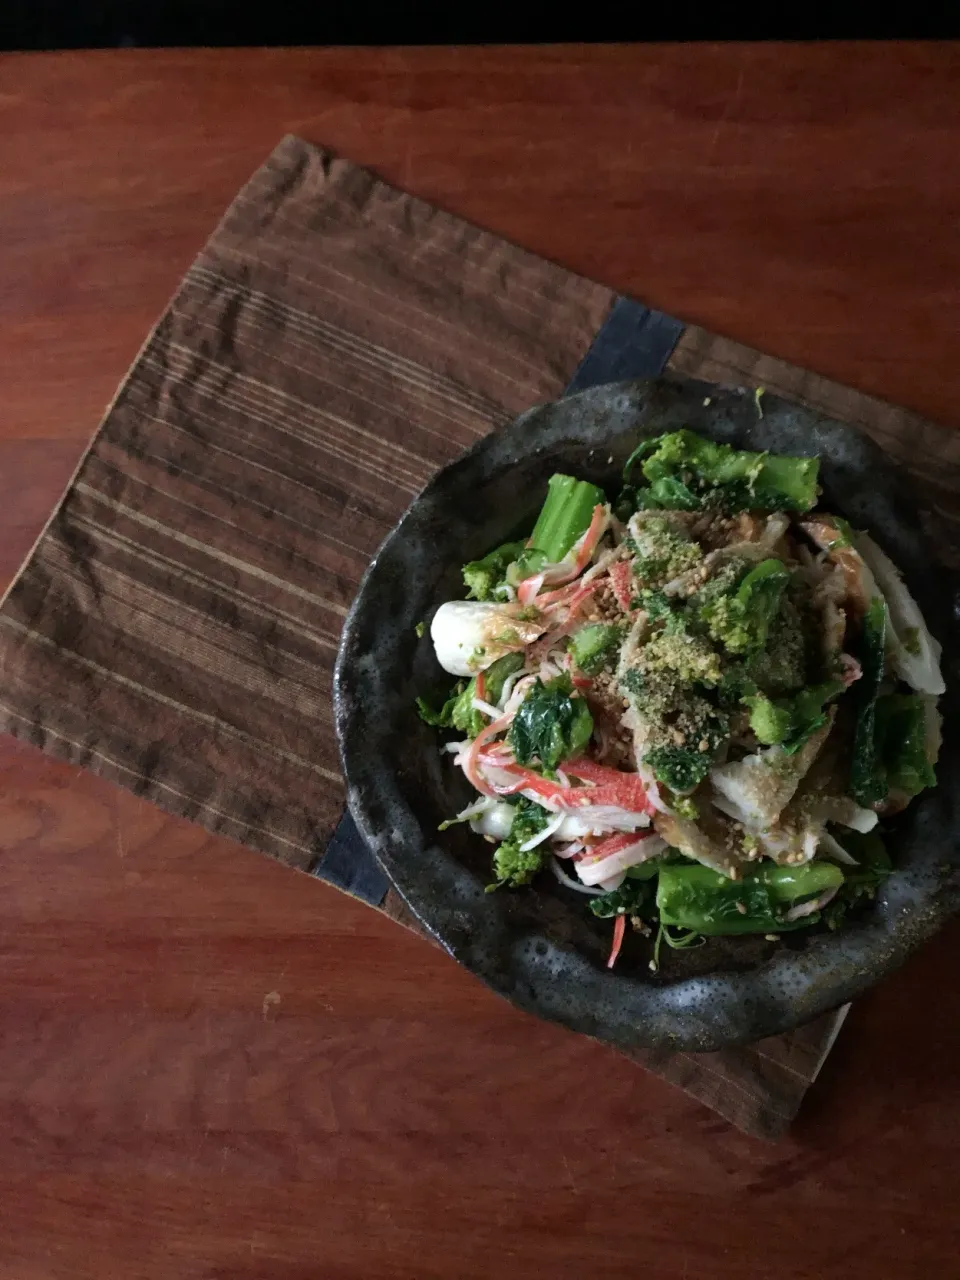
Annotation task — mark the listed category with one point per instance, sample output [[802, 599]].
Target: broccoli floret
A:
[[654, 604], [782, 666], [791, 721], [511, 864], [685, 465], [594, 645], [770, 722], [679, 768], [690, 659], [741, 620], [662, 553], [482, 577]]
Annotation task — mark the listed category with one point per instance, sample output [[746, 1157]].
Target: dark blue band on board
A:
[[633, 342]]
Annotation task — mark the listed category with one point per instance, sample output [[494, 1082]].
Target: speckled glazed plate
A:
[[538, 946]]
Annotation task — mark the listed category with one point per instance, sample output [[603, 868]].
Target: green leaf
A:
[[791, 721], [439, 718], [868, 783], [679, 768], [633, 898], [565, 516], [901, 731], [464, 716], [862, 881], [551, 724], [741, 620]]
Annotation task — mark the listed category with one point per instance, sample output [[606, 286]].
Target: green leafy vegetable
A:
[[844, 536], [441, 718], [565, 516], [868, 783], [421, 630], [901, 724], [741, 620], [685, 465], [863, 880], [511, 864], [458, 712], [679, 768], [551, 724], [527, 563], [655, 605], [642, 450], [791, 721], [696, 898], [593, 645], [633, 898], [661, 552], [482, 577]]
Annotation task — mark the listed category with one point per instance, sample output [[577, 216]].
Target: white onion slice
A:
[[908, 629], [487, 708], [834, 849], [614, 882], [808, 908], [494, 820], [564, 879], [568, 850], [545, 834], [594, 819]]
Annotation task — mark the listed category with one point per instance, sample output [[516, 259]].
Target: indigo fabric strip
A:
[[633, 342]]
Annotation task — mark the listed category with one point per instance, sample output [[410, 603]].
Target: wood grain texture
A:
[[212, 1067]]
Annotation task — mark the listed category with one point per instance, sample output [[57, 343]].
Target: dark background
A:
[[62, 24]]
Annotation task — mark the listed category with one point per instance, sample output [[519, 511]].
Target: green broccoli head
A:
[[515, 866], [741, 620], [662, 553], [483, 577], [512, 864], [770, 722], [685, 470]]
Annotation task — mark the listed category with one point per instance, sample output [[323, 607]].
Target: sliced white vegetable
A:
[[464, 634], [545, 834], [495, 820], [791, 848], [914, 652], [564, 879], [756, 789], [594, 819], [613, 882], [808, 908], [478, 704], [832, 847], [849, 814], [597, 870]]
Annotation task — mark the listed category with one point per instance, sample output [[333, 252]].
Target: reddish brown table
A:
[[210, 1067]]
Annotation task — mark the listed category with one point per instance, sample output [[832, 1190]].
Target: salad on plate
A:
[[694, 701]]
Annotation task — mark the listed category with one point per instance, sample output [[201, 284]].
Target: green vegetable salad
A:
[[694, 700]]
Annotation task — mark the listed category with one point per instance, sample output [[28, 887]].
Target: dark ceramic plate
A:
[[539, 947]]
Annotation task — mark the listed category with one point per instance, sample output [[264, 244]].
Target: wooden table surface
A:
[[210, 1067]]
